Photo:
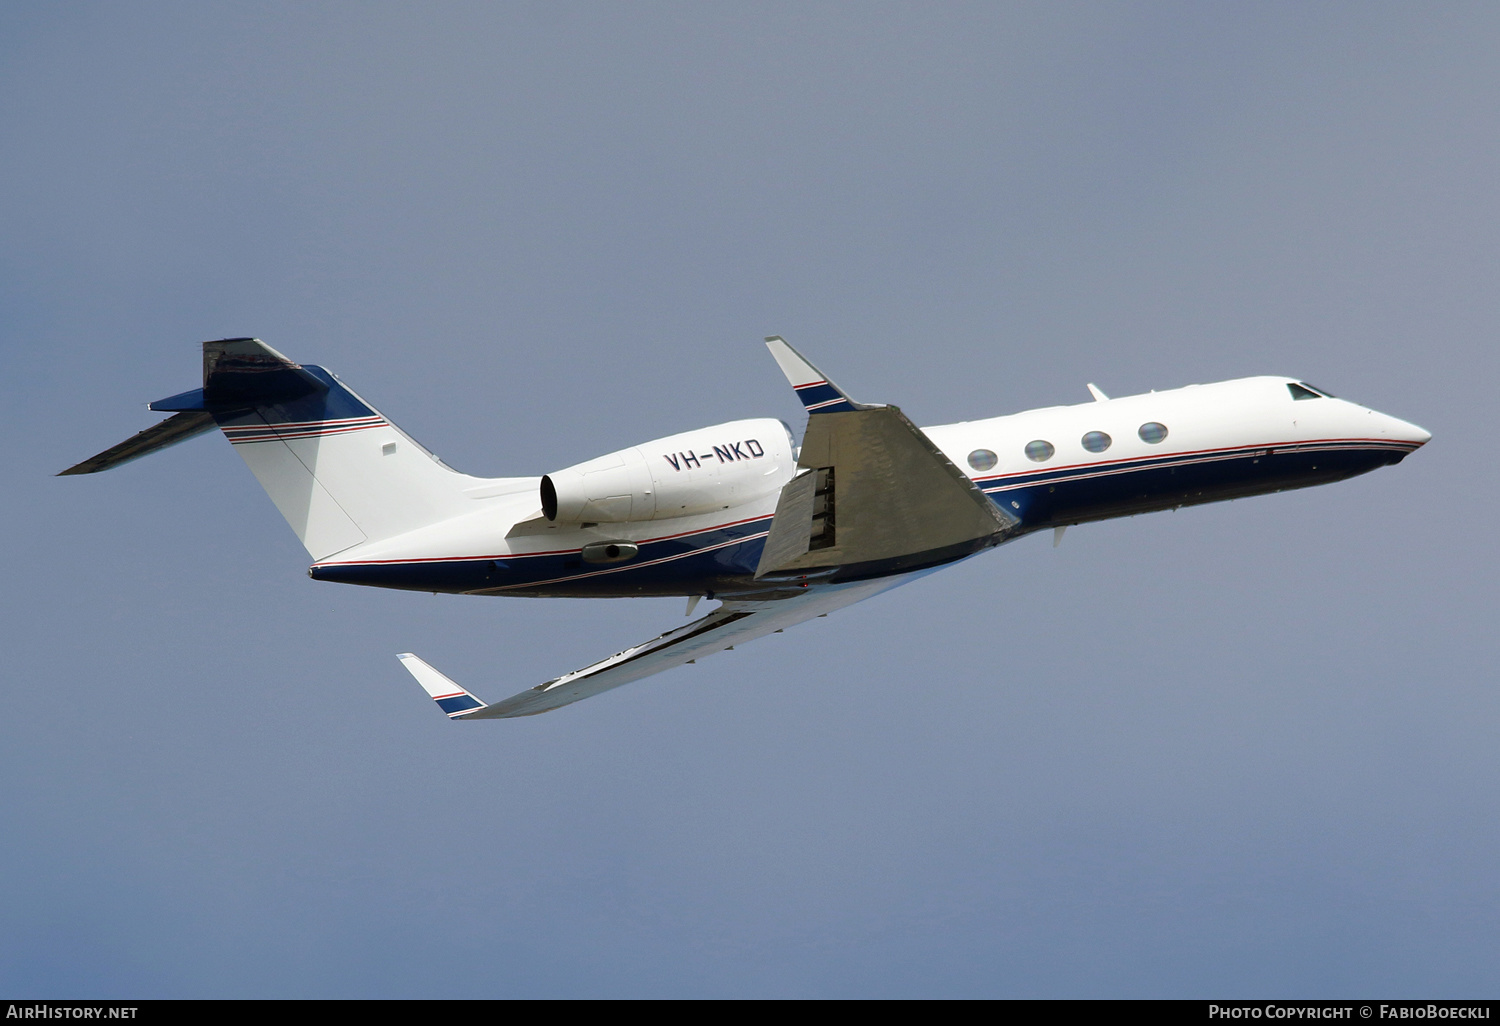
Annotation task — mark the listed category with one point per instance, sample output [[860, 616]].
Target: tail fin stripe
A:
[[267, 436], [281, 432], [263, 428], [310, 423]]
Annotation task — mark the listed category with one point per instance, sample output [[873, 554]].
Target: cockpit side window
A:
[[1302, 392]]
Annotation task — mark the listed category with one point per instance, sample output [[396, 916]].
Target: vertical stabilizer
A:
[[339, 471]]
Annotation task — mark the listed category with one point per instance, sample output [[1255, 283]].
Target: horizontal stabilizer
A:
[[238, 374], [193, 400], [178, 428], [733, 623], [245, 372]]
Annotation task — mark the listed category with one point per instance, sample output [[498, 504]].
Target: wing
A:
[[874, 504], [735, 622], [873, 495]]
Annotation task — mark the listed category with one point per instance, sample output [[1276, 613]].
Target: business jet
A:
[[776, 532]]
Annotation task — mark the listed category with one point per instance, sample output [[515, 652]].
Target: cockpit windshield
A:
[[1302, 390]]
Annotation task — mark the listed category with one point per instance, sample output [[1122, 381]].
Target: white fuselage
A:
[[1052, 466]]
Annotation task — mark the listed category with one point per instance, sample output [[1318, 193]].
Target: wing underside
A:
[[735, 622]]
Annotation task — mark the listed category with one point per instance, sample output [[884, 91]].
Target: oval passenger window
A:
[[982, 459], [1152, 432], [1039, 451], [1096, 441]]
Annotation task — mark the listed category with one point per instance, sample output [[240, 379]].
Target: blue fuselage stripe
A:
[[718, 553], [712, 558]]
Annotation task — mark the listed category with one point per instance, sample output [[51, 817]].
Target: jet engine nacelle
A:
[[701, 471]]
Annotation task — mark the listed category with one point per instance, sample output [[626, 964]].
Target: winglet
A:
[[817, 393], [451, 698]]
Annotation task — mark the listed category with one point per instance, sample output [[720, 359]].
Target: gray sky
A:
[[1246, 749]]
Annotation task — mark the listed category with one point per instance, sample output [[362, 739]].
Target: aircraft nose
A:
[[1397, 430], [1405, 432]]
